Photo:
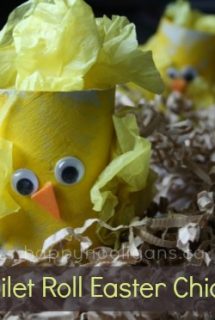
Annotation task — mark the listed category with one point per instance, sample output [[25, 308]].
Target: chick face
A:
[[180, 79], [61, 143], [182, 46]]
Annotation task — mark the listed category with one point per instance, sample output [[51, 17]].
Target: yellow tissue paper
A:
[[124, 186], [181, 14], [185, 37], [60, 46], [206, 24], [120, 60]]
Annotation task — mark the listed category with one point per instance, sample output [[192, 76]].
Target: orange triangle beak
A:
[[179, 85], [46, 198]]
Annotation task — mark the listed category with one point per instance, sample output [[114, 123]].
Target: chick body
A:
[[181, 47], [44, 128]]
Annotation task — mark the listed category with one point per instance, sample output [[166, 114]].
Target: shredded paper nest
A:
[[181, 215]]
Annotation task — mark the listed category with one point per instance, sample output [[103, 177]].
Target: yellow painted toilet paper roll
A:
[[56, 145], [64, 159], [181, 47]]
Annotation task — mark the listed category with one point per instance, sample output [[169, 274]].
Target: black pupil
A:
[[172, 75], [70, 175], [25, 187], [189, 75]]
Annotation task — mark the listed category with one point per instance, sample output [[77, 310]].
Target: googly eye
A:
[[189, 74], [24, 182], [172, 73], [69, 170]]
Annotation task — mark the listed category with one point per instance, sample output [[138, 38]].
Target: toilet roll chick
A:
[[64, 157]]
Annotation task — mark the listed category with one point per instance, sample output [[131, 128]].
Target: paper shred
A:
[[55, 315], [187, 234], [24, 255], [5, 261], [151, 239], [183, 163], [201, 257], [205, 201], [67, 234], [174, 221]]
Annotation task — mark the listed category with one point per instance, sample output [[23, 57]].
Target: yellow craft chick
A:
[[185, 39], [179, 80], [60, 143], [64, 158]]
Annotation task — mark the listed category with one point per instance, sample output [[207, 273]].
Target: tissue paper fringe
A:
[[183, 15], [41, 50]]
